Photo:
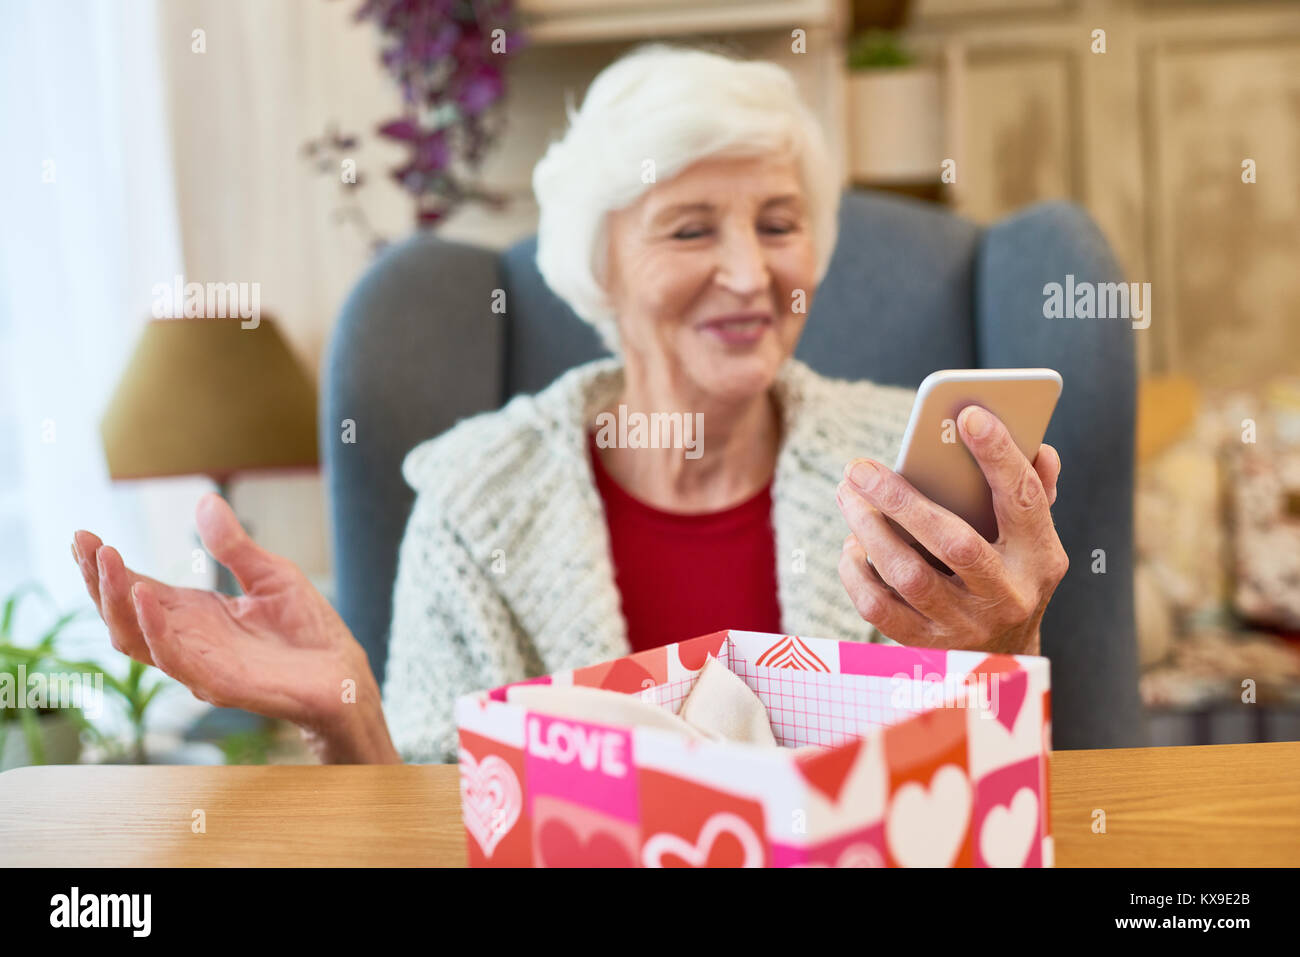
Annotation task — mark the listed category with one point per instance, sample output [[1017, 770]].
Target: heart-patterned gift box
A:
[[924, 758]]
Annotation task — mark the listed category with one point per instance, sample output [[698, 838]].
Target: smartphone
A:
[[934, 458]]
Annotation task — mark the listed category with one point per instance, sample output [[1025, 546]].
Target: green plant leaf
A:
[[32, 732], [878, 49], [24, 655], [52, 633], [149, 695], [11, 606], [112, 682], [134, 673], [247, 747]]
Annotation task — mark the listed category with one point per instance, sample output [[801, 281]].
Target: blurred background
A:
[[264, 145]]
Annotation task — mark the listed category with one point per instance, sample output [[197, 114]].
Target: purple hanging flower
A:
[[481, 89], [448, 59]]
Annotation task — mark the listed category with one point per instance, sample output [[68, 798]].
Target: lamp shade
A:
[[210, 397]]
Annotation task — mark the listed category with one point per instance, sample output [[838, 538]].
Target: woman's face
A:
[[711, 274]]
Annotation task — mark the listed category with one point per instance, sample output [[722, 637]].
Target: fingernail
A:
[[864, 474], [977, 421], [76, 555]]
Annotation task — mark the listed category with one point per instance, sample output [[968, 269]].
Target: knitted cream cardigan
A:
[[504, 572]]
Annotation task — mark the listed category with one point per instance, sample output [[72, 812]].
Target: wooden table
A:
[[1227, 805]]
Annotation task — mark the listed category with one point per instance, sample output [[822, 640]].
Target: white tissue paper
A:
[[599, 705], [723, 706]]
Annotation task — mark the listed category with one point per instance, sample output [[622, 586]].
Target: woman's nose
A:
[[742, 267]]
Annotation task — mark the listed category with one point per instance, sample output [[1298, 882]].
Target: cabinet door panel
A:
[[1228, 249], [1018, 125]]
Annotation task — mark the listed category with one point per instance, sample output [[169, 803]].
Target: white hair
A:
[[671, 106]]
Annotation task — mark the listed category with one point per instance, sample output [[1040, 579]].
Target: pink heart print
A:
[[490, 797]]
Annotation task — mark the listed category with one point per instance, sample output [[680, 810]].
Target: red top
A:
[[686, 575]]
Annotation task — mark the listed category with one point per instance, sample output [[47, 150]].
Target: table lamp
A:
[[210, 397]]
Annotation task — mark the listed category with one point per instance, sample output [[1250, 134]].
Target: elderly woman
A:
[[689, 214]]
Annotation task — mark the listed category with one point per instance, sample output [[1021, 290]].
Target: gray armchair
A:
[[912, 288]]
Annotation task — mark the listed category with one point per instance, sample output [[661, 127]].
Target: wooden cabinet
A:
[[1150, 136]]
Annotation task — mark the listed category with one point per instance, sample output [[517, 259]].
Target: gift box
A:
[[923, 757]]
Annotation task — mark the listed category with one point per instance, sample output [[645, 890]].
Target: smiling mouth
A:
[[738, 328]]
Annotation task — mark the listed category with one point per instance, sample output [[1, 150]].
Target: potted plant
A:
[[46, 733], [136, 694], [52, 732], [896, 112]]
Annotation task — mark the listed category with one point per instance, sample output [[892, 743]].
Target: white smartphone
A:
[[934, 458]]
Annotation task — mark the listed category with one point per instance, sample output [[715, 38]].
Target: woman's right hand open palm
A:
[[279, 649]]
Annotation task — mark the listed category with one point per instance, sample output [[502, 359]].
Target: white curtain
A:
[[88, 224]]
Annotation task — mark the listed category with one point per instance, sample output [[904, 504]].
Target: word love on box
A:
[[588, 746], [925, 758]]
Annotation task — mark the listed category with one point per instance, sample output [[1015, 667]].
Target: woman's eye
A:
[[691, 232], [778, 229]]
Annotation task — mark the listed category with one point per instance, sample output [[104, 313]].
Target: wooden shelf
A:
[[932, 192], [591, 21]]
